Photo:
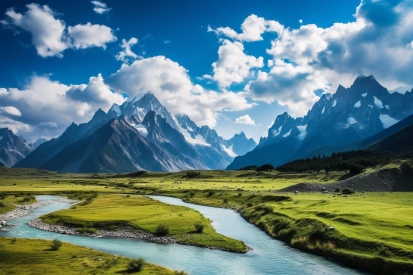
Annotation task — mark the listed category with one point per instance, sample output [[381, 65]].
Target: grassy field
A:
[[110, 211], [28, 256], [373, 231], [9, 202]]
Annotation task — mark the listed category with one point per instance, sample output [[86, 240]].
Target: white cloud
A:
[[100, 7], [252, 29], [301, 21], [48, 107], [95, 93], [170, 83], [127, 52], [49, 34], [167, 41], [311, 57], [85, 36], [10, 110], [233, 65], [246, 119]]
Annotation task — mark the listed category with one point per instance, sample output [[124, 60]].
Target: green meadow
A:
[[112, 211], [372, 230], [28, 256]]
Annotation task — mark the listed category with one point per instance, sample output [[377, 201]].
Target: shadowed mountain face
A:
[[348, 116], [12, 148], [138, 135]]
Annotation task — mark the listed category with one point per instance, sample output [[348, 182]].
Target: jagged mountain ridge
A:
[[167, 142], [12, 148], [350, 115]]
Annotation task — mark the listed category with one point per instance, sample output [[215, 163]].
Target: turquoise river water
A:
[[268, 256]]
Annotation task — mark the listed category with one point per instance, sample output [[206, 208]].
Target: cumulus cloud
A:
[[379, 42], [233, 65], [85, 36], [100, 7], [172, 86], [49, 34], [246, 119], [10, 110], [47, 107], [252, 29], [127, 53]]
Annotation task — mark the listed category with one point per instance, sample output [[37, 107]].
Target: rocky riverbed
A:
[[21, 210], [124, 232]]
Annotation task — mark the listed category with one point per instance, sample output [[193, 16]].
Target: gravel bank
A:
[[125, 232], [21, 211]]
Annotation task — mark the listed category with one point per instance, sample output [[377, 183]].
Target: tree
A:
[[162, 230]]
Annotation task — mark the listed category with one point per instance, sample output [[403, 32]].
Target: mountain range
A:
[[337, 122], [140, 134]]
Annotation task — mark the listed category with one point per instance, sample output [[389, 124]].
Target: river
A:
[[268, 256]]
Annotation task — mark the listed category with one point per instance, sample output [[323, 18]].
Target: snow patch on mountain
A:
[[351, 120], [364, 95], [334, 103], [229, 151], [358, 104], [287, 134], [378, 102], [303, 131], [387, 107], [277, 132], [141, 128], [323, 110], [198, 140], [387, 120]]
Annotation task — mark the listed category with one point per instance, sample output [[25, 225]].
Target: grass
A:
[[30, 256], [372, 231], [110, 211], [9, 202]]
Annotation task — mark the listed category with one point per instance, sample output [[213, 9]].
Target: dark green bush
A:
[[136, 265], [199, 227], [162, 230], [348, 191], [56, 244], [2, 204]]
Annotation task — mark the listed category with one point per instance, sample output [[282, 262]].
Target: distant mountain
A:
[[140, 134], [12, 148], [39, 142], [73, 133], [350, 115], [240, 144]]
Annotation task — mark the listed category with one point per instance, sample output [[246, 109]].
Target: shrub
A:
[[199, 227], [338, 190], [56, 244], [180, 273], [136, 265], [2, 204], [225, 201], [162, 230], [348, 191], [210, 193], [249, 204]]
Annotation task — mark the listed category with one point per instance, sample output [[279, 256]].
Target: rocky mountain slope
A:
[[12, 148], [348, 116]]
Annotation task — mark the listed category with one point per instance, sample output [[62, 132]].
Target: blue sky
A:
[[231, 66]]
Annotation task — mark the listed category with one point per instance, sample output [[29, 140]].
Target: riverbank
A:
[[125, 232], [138, 217], [21, 211], [34, 256]]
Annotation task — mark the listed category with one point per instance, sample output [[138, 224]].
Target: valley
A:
[[370, 229]]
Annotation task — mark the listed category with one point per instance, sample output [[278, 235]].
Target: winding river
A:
[[268, 256]]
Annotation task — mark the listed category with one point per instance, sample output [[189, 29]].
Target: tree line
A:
[[355, 161]]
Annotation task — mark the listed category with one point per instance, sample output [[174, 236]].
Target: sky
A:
[[231, 65]]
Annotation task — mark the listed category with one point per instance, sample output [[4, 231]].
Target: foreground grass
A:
[[112, 211], [372, 231], [29, 256]]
